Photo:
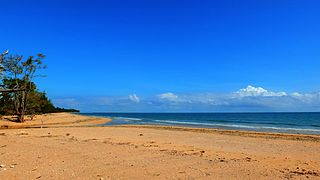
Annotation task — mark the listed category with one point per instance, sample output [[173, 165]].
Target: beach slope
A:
[[155, 153]]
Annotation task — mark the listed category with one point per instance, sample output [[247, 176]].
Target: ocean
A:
[[298, 123]]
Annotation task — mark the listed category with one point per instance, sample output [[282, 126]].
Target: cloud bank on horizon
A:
[[249, 99]]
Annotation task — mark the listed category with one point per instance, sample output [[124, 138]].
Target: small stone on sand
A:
[[23, 133]]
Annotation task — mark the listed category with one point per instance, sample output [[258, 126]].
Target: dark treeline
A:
[[37, 102], [18, 93]]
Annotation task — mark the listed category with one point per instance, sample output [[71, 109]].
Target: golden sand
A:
[[149, 152]]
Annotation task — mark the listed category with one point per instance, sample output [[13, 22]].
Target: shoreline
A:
[[83, 149], [261, 123], [97, 121], [243, 133]]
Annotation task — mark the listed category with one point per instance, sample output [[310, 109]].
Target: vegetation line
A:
[[19, 95]]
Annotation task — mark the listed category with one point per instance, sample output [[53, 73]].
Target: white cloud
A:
[[134, 98], [168, 96], [258, 91], [296, 94], [307, 98], [247, 99], [66, 102]]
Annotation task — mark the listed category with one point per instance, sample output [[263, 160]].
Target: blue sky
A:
[[125, 55]]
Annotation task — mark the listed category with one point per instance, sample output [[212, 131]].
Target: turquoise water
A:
[[300, 123]]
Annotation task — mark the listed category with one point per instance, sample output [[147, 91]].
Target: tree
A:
[[18, 92], [19, 74], [6, 105], [2, 56], [36, 102]]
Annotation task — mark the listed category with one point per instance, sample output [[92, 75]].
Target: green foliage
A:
[[37, 102], [2, 57], [6, 104], [18, 93]]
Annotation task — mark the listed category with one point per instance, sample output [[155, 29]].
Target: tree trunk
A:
[[22, 107], [21, 118]]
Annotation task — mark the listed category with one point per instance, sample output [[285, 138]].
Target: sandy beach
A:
[[52, 120], [69, 147]]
